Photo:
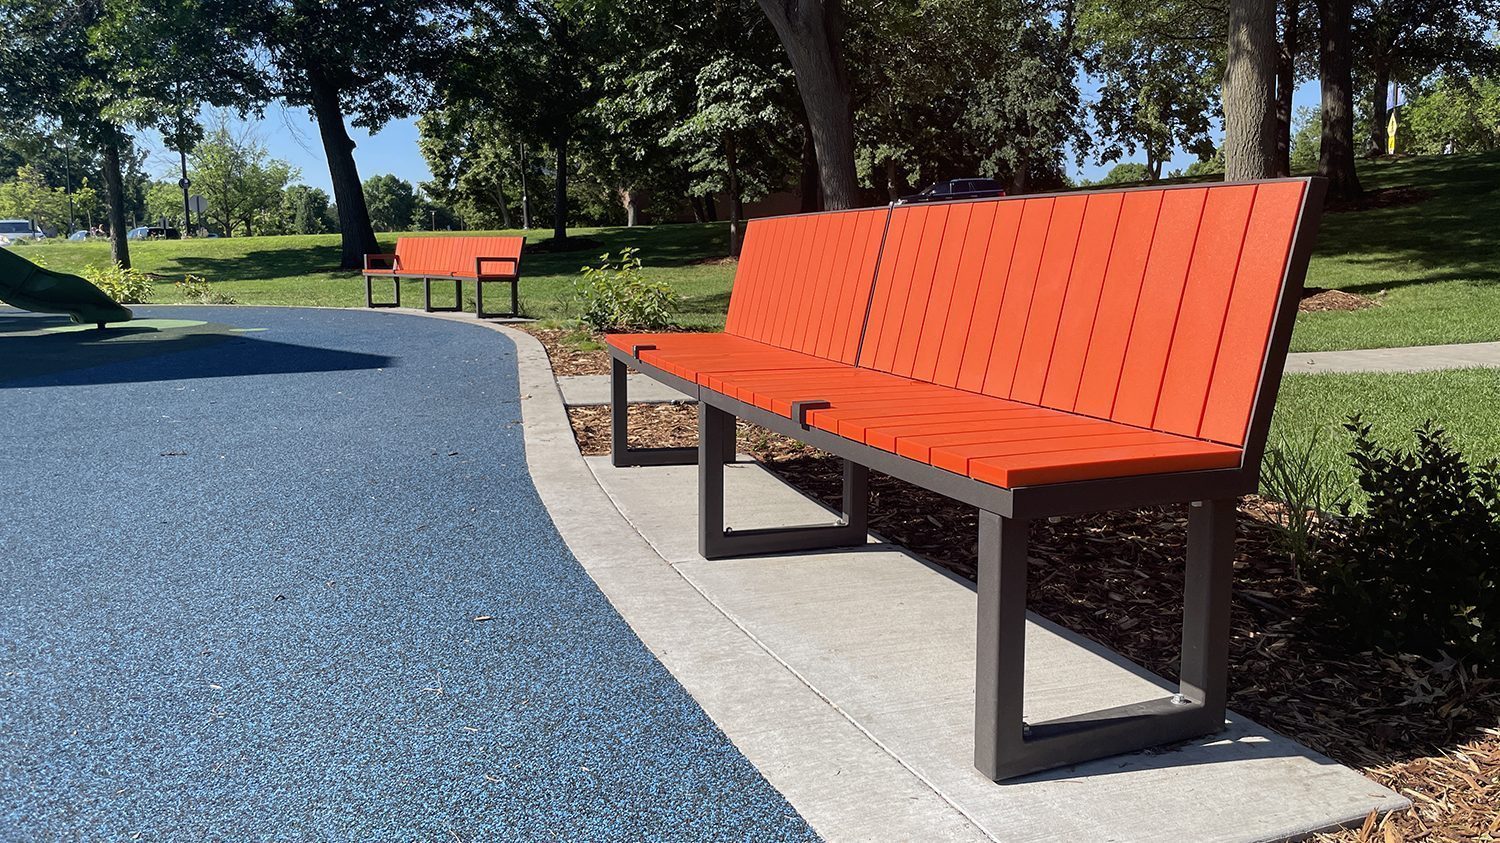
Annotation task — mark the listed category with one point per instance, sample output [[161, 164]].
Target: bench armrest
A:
[[391, 259], [514, 269]]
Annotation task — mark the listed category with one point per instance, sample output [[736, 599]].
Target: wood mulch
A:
[[1388, 197], [1319, 300], [567, 357], [1427, 729]]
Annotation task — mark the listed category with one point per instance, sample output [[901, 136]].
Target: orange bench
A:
[[459, 259], [1032, 356]]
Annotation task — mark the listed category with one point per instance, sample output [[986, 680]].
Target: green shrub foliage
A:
[[617, 296], [1419, 569], [126, 286]]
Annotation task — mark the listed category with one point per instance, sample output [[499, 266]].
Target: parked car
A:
[[945, 191], [15, 231], [81, 234], [153, 232]]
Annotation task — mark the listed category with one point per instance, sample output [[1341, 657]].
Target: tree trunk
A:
[[696, 203], [1336, 158], [1379, 114], [1286, 84], [631, 200], [812, 31], [560, 193], [504, 205], [711, 208], [892, 181], [1249, 91], [808, 186], [114, 196], [732, 171], [348, 193]]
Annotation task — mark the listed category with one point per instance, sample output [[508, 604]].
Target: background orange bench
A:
[[459, 259], [1034, 356]]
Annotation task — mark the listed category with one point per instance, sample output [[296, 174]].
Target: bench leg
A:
[[1005, 746], [716, 430], [620, 452], [427, 294], [370, 293], [515, 299]]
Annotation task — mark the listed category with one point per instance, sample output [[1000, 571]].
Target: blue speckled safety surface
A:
[[287, 578]]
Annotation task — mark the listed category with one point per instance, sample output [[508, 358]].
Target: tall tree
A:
[[1289, 43], [812, 32], [1405, 41], [1158, 68], [536, 62], [237, 177], [1335, 67], [1250, 91], [360, 59]]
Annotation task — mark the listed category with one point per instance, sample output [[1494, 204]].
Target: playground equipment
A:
[[25, 285]]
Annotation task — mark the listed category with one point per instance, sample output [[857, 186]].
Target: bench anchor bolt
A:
[[1179, 699]]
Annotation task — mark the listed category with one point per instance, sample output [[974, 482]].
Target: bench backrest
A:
[[458, 254], [803, 281], [1150, 307]]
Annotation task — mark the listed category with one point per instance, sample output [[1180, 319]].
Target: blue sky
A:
[[291, 135]]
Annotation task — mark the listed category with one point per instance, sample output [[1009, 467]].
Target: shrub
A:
[[1419, 569], [126, 286], [1308, 490], [195, 289], [617, 296]]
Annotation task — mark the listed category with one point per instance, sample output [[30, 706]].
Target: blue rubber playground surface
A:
[[274, 574]]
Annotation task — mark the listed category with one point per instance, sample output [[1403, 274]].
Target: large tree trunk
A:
[[811, 32], [1379, 114], [560, 193], [1286, 84], [808, 186], [348, 193], [736, 210], [1336, 158], [1250, 91], [114, 197]]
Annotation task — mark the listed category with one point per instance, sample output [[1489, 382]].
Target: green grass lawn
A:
[[302, 270], [1462, 401], [1433, 265]]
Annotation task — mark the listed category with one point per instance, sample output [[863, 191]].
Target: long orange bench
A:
[[1031, 356], [458, 259]]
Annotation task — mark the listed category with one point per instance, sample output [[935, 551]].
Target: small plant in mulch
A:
[[617, 296]]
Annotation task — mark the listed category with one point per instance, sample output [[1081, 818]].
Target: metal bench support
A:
[[1005, 746], [515, 298], [370, 292], [716, 431], [620, 452], [458, 297]]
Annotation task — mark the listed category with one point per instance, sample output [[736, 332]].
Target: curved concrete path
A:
[[283, 574]]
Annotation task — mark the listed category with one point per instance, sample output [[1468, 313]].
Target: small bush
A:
[[1308, 490], [126, 286], [1419, 569], [195, 289], [617, 296]]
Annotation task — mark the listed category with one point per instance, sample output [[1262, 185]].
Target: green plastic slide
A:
[[25, 285]]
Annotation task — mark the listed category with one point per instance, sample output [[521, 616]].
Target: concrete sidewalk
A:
[[1417, 358], [847, 677]]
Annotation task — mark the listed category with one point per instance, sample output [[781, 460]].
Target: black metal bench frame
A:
[[1005, 745]]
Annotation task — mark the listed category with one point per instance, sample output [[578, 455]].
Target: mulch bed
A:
[[1388, 197], [1320, 300], [1427, 729], [568, 359]]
